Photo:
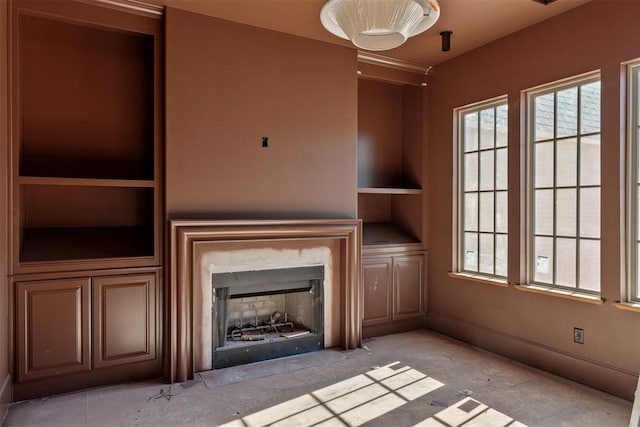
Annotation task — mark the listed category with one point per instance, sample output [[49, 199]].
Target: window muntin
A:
[[482, 189], [633, 179], [564, 185]]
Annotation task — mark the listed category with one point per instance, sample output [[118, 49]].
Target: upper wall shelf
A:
[[85, 182], [384, 190]]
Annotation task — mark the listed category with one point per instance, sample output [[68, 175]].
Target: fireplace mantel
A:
[[183, 273]]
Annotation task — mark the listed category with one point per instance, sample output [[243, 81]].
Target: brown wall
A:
[[5, 382], [538, 329], [227, 86]]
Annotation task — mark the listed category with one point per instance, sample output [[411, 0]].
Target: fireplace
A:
[[265, 314], [201, 249]]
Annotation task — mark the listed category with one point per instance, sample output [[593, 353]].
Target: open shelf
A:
[[385, 233], [381, 190], [81, 243], [390, 134], [69, 222], [86, 175], [90, 182], [87, 101]]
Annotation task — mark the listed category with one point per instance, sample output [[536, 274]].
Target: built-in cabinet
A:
[[394, 290], [391, 129], [86, 214], [72, 325]]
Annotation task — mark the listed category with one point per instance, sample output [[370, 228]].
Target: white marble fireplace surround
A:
[[200, 248]]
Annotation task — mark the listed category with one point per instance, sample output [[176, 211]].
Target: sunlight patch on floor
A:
[[365, 397], [469, 413]]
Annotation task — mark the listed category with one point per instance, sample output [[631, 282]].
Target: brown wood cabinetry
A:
[[378, 286], [86, 193], [124, 319], [86, 137], [408, 286], [394, 297], [391, 129], [53, 328]]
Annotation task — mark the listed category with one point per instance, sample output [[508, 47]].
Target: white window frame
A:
[[531, 94], [633, 187], [459, 257]]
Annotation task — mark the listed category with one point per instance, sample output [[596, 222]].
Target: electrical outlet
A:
[[578, 335]]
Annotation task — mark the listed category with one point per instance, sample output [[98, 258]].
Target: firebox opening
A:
[[260, 315]]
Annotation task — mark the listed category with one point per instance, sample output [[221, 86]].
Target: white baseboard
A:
[[610, 379], [5, 397]]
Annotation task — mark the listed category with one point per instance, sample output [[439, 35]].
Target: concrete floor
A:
[[417, 378]]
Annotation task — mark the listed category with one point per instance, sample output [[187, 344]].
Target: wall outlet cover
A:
[[578, 335]]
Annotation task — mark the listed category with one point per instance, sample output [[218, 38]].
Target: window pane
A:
[[487, 127], [484, 167], [567, 111], [486, 212], [501, 255], [486, 170], [543, 212], [590, 107], [567, 163], [501, 212], [590, 160], [543, 164], [590, 265], [543, 129], [470, 251], [566, 212], [470, 131], [566, 262], [471, 212], [501, 125], [471, 172], [543, 259], [501, 169], [486, 253], [590, 212]]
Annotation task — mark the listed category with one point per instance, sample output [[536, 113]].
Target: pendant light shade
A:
[[378, 24]]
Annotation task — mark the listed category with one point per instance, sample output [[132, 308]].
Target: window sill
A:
[[629, 306], [561, 293], [480, 279]]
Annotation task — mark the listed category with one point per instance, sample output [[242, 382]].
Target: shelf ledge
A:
[[561, 293], [480, 279], [85, 182], [390, 190], [629, 306]]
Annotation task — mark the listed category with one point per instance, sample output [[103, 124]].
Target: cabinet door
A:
[[409, 286], [124, 319], [52, 327], [377, 281]]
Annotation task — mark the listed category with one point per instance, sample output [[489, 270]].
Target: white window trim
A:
[[530, 94], [633, 107], [458, 188]]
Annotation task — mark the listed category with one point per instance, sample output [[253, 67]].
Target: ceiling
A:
[[473, 22]]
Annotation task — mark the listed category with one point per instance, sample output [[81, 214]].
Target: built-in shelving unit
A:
[[86, 147], [390, 133], [391, 129], [86, 202]]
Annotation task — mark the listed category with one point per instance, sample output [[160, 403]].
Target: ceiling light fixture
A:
[[379, 24]]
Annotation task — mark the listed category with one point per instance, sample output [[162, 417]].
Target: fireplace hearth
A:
[[265, 314]]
